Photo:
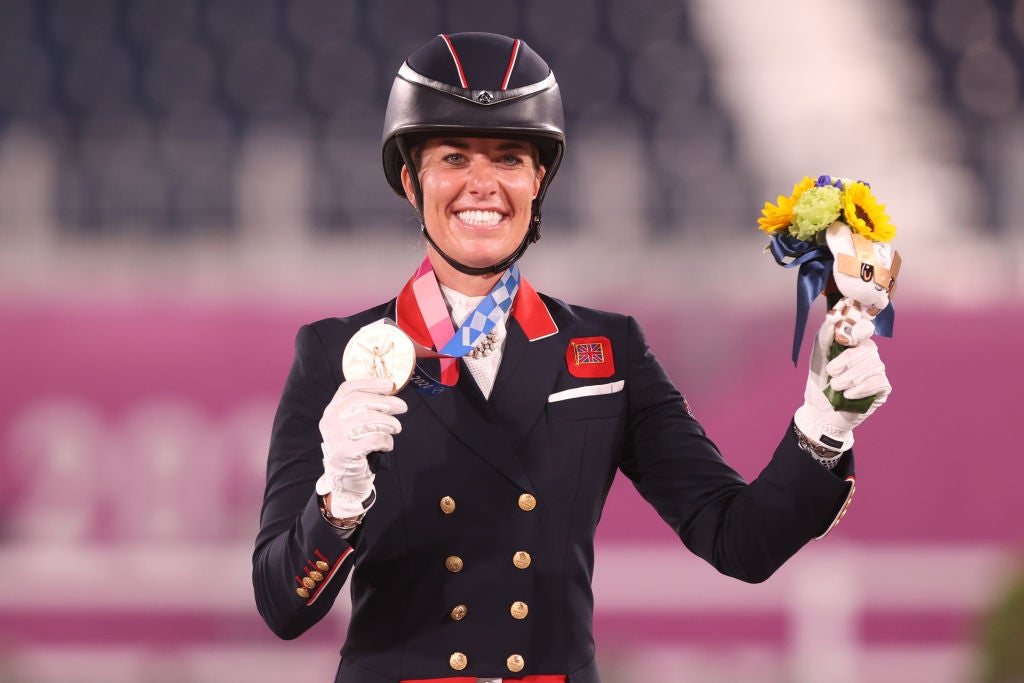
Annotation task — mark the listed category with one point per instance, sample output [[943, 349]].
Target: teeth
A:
[[481, 218]]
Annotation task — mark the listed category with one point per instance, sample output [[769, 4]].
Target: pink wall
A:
[[108, 410], [936, 463]]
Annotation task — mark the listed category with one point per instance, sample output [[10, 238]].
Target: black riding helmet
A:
[[474, 84]]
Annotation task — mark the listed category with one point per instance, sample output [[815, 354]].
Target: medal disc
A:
[[380, 350]]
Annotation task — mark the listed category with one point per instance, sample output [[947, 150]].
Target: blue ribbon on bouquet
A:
[[815, 263]]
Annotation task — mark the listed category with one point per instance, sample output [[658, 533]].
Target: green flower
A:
[[815, 210]]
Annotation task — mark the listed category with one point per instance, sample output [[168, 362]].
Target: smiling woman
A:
[[476, 207], [464, 509]]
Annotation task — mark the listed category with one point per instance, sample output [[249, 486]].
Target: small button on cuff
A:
[[308, 582], [322, 566], [303, 593]]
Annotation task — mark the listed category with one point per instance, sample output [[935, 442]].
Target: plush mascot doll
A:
[[834, 230]]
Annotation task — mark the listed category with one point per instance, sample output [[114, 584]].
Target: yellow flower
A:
[[864, 214], [774, 217]]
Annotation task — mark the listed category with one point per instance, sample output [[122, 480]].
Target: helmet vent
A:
[[478, 96], [455, 58], [511, 64]]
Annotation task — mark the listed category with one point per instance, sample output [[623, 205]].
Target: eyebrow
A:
[[510, 145]]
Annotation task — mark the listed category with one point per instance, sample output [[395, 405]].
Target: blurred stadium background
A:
[[182, 184]]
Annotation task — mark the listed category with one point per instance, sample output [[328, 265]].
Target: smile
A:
[[481, 219]]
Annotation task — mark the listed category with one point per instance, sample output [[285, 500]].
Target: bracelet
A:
[[826, 456], [342, 524]]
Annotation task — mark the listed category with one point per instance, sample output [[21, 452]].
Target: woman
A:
[[465, 514]]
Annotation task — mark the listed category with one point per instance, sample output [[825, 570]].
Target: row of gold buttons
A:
[[311, 579], [518, 610], [521, 560], [459, 661], [527, 502]]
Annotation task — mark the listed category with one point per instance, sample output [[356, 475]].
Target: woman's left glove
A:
[[858, 372], [358, 421]]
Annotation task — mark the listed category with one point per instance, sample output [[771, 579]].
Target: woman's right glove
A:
[[358, 421]]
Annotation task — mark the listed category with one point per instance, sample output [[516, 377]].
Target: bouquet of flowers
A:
[[838, 235]]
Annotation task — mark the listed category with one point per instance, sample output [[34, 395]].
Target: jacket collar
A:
[[529, 310]]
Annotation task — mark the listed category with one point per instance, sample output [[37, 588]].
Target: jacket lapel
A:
[[530, 365], [473, 421], [528, 372]]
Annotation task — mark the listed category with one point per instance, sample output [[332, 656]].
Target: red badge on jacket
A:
[[590, 357]]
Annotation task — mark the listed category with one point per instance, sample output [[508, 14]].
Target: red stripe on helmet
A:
[[511, 64], [458, 64]]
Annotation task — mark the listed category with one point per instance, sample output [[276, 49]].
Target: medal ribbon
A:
[[452, 344]]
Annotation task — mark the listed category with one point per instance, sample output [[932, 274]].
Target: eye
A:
[[511, 159], [453, 158]]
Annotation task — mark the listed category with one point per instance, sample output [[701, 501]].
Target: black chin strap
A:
[[531, 236]]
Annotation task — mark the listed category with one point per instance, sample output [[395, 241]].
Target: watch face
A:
[[380, 350]]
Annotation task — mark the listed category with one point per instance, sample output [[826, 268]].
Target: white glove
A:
[[358, 421], [858, 372]]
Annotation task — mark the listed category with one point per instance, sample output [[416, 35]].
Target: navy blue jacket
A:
[[484, 455]]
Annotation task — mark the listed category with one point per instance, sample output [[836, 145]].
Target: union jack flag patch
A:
[[589, 353], [590, 357]]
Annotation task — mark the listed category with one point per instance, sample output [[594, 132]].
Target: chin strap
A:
[[532, 235]]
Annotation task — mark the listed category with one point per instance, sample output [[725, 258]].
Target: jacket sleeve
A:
[[300, 562], [746, 531]]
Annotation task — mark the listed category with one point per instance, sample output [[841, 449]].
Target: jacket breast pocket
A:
[[593, 402]]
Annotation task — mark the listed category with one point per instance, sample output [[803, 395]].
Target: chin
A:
[[485, 252], [481, 260]]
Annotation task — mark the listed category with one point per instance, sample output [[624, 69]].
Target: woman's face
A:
[[477, 194]]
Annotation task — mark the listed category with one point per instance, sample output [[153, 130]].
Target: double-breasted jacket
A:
[[476, 558]]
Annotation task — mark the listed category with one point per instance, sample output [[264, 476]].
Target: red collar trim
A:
[[532, 313]]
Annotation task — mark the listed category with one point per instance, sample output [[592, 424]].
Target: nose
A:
[[482, 178]]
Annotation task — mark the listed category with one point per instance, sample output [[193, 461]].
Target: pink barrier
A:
[[88, 393], [106, 412]]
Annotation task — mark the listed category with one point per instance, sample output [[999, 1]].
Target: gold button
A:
[[447, 505], [522, 559], [316, 576], [303, 593], [453, 563], [515, 663], [308, 582], [519, 610], [458, 661], [458, 612], [322, 566], [527, 502]]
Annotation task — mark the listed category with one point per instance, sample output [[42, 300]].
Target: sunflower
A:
[[775, 218], [864, 214]]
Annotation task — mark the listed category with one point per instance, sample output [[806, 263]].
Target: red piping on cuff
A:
[[330, 575], [852, 481]]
